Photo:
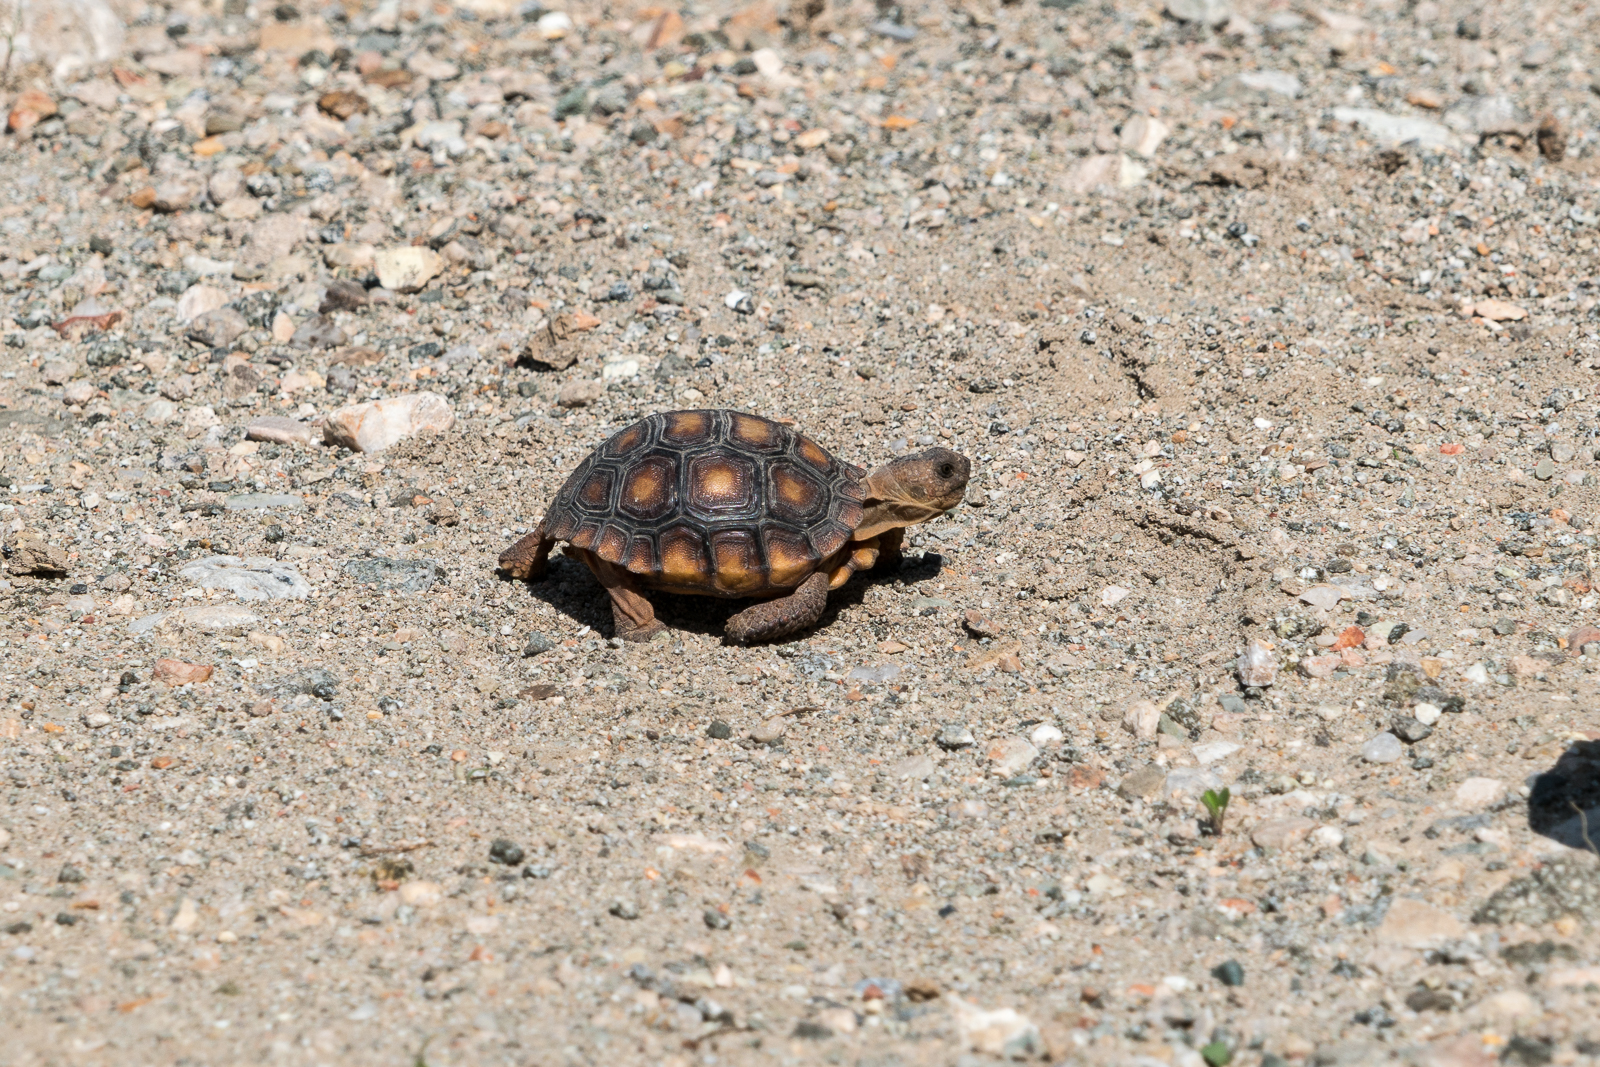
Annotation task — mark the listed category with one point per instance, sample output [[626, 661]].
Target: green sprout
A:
[[1217, 804], [1216, 1054]]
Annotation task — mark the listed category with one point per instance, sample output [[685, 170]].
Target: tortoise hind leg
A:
[[527, 559], [632, 616], [782, 615]]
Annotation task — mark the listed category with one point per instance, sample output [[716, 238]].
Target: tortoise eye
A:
[[946, 470]]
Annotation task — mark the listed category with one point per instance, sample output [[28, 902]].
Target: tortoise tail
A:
[[526, 560]]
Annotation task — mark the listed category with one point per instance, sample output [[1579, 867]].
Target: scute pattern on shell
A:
[[716, 502]]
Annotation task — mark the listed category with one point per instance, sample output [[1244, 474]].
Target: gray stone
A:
[[1276, 82], [1544, 470], [954, 736], [914, 768], [265, 502], [216, 329], [401, 575], [537, 644], [580, 394], [256, 578], [1398, 129], [1410, 729], [319, 331], [277, 429], [771, 730], [1204, 12], [1385, 748]]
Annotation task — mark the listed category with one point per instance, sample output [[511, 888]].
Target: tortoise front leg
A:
[[527, 559], [782, 615], [632, 616], [890, 556]]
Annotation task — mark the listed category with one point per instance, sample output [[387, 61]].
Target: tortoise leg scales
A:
[[632, 616], [526, 560], [782, 615]]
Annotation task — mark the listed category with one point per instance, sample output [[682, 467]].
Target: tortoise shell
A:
[[715, 502]]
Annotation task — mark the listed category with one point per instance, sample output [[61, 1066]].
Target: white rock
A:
[[407, 268], [1046, 734], [1398, 129], [1110, 169], [1477, 674], [377, 424], [1384, 748], [913, 767], [1426, 714], [199, 299], [1141, 719], [1327, 837], [617, 369], [1214, 751], [1272, 81], [429, 134], [554, 25], [1011, 754], [224, 618], [256, 578], [1143, 134], [197, 421], [1001, 1032], [1257, 666], [1191, 782], [1323, 597], [1475, 794], [1112, 594]]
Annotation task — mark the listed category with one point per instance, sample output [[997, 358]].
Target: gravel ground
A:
[[1271, 334]]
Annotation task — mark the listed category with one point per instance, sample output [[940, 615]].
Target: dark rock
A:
[[1410, 730], [1230, 973], [537, 645], [503, 850]]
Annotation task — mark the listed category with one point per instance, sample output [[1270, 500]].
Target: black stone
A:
[[1409, 730], [506, 851], [1230, 973]]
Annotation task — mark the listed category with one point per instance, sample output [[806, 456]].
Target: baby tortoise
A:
[[721, 503]]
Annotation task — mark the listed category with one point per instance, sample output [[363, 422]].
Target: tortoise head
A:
[[912, 490]]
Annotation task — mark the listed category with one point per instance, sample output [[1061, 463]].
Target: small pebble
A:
[[1384, 748]]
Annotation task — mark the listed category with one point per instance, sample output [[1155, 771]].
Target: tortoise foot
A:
[[640, 634], [782, 615]]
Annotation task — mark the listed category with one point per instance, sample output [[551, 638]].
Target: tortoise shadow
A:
[[571, 588], [1564, 802]]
